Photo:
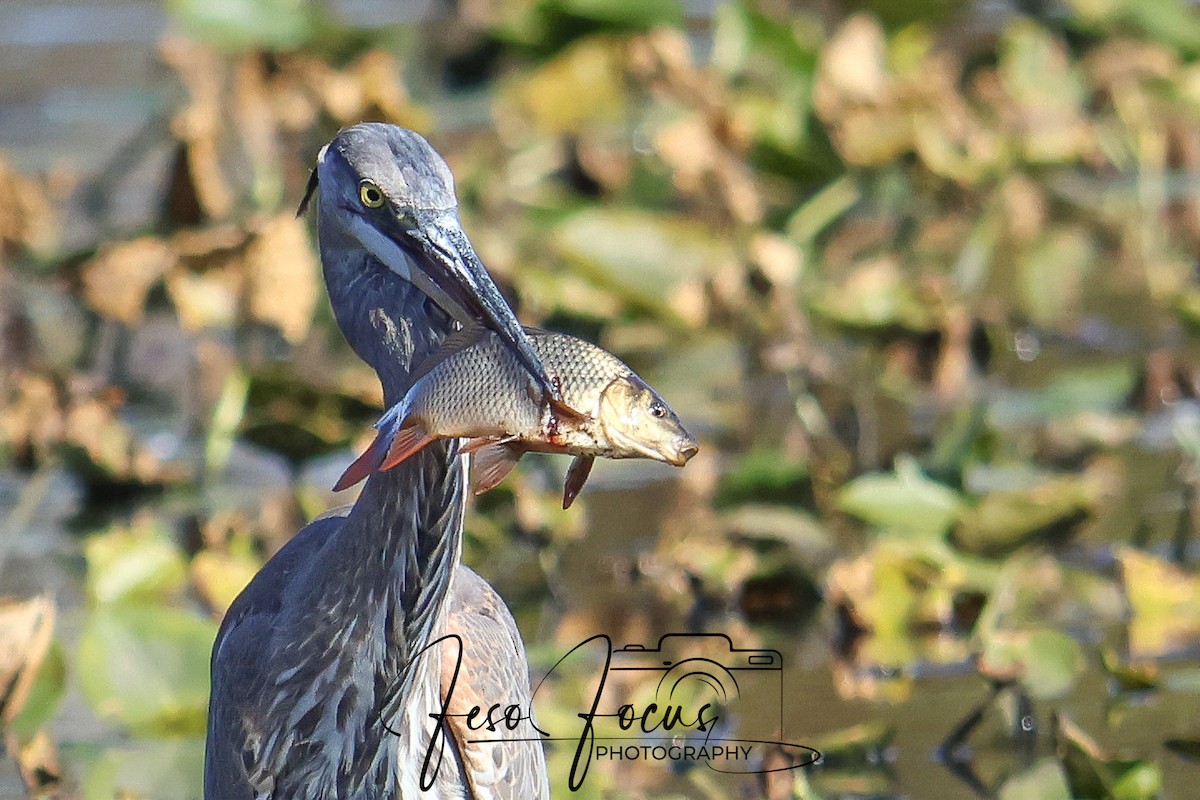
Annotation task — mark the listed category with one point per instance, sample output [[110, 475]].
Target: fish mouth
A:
[[683, 452], [677, 453], [437, 257]]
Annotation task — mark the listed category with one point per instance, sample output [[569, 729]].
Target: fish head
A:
[[637, 422]]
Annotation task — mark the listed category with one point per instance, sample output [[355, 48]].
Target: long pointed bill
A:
[[441, 262]]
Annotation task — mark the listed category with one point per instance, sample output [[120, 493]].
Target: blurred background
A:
[[922, 275]]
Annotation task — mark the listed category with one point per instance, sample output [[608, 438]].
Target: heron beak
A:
[[443, 264]]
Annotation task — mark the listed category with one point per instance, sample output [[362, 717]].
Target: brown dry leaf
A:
[[120, 275], [32, 420], [688, 147], [954, 371], [205, 299], [692, 147], [92, 425], [27, 219], [38, 760], [368, 88], [198, 125], [25, 629], [340, 94], [1122, 60], [779, 259], [853, 65], [1164, 601], [283, 276], [254, 121], [581, 87], [292, 104], [378, 75], [220, 577], [208, 287], [1025, 207], [706, 150]]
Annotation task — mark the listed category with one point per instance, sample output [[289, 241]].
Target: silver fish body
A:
[[479, 390], [475, 388]]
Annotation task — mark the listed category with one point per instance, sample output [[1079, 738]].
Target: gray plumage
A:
[[313, 692]]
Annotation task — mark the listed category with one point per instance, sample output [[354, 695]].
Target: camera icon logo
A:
[[701, 679]]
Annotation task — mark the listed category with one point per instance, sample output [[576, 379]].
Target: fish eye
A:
[[370, 195], [658, 411]]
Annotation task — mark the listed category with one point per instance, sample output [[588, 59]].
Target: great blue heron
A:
[[314, 690]]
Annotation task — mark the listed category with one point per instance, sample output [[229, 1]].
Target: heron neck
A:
[[406, 542], [378, 594], [388, 322]]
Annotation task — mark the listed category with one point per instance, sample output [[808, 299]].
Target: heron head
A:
[[391, 193]]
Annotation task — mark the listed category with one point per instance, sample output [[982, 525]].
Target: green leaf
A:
[[227, 417], [624, 14], [1053, 273], [578, 89], [147, 667], [801, 532], [1045, 780], [863, 743], [1140, 780], [44, 696], [1164, 601], [1004, 520], [904, 502], [170, 769], [763, 476], [1172, 22], [1046, 662], [1072, 391], [133, 564], [642, 256], [247, 24], [876, 294]]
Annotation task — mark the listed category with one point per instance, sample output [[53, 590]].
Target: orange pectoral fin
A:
[[365, 464], [577, 475], [492, 463], [407, 442]]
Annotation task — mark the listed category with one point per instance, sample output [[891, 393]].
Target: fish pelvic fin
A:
[[493, 462], [365, 464], [577, 475], [406, 442]]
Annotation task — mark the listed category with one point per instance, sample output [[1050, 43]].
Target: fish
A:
[[473, 388]]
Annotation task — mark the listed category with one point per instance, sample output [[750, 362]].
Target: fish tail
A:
[[365, 464]]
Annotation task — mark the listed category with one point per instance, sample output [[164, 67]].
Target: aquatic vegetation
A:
[[923, 280]]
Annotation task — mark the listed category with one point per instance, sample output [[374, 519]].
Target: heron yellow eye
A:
[[370, 195]]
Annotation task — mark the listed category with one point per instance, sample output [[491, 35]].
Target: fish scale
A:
[[481, 389]]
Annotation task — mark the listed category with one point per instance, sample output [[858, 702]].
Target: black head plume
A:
[[308, 192]]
